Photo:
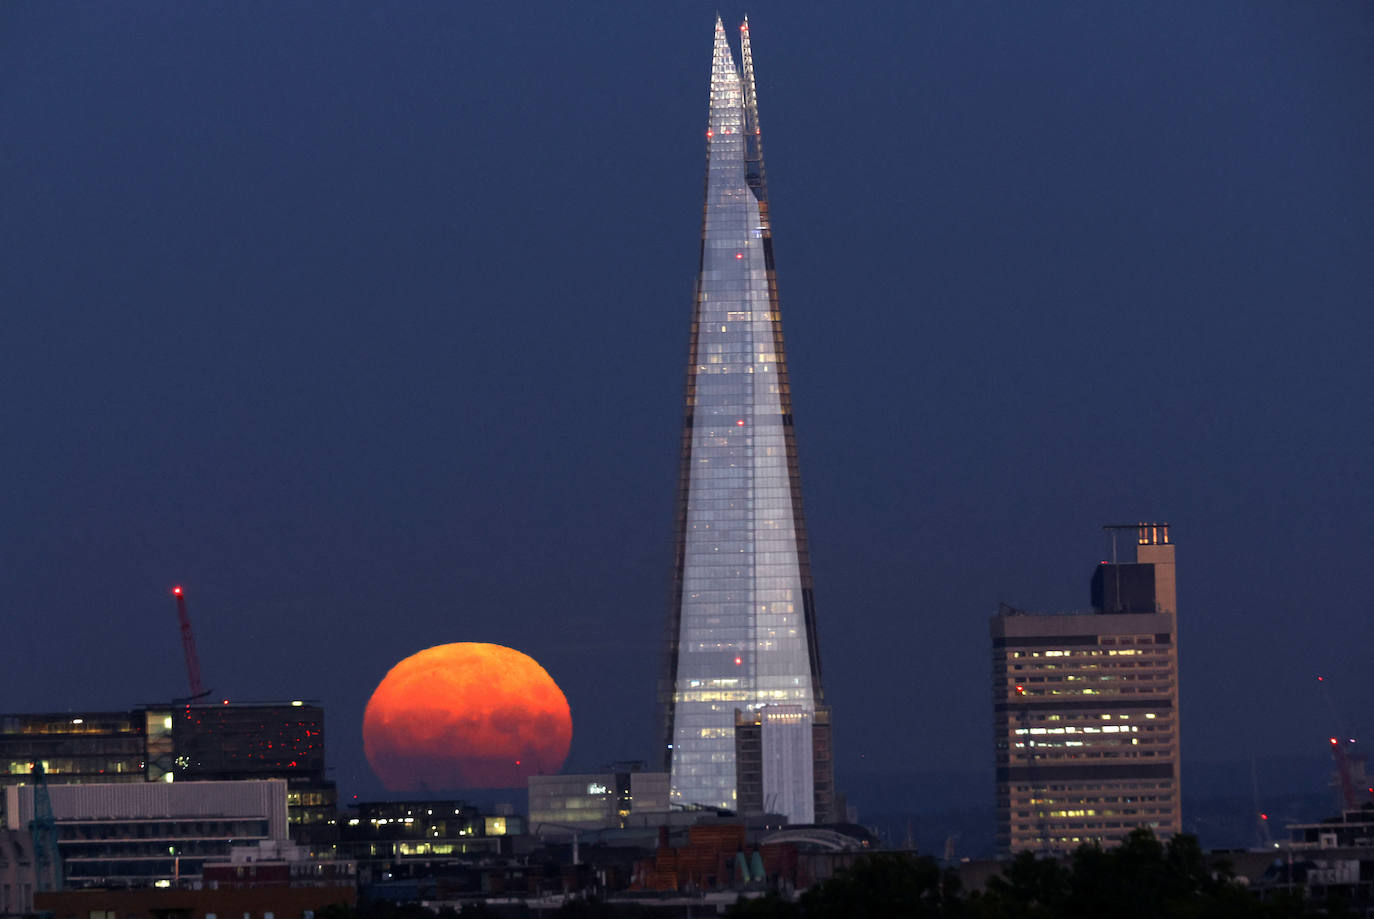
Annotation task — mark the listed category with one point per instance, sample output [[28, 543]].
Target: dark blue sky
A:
[[366, 321]]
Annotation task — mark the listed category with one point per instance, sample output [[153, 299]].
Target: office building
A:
[[152, 833], [1085, 709], [263, 740], [394, 840], [742, 629], [786, 770], [167, 743], [560, 804]]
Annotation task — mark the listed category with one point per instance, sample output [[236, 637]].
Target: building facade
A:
[[152, 833], [1085, 710], [560, 804], [167, 743], [790, 774], [742, 630]]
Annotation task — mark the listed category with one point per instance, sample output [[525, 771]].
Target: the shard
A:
[[741, 636]]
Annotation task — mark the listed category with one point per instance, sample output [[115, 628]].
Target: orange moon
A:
[[465, 715]]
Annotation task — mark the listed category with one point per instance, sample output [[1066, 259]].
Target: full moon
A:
[[465, 715]]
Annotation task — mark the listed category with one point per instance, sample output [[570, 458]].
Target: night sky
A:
[[367, 323]]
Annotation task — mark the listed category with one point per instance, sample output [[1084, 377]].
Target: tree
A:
[[768, 906], [885, 885]]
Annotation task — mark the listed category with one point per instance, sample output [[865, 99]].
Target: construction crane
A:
[[43, 828], [1350, 766], [1262, 837], [188, 645], [1350, 774]]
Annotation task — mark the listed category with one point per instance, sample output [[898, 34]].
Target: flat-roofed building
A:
[[166, 743], [763, 760], [1085, 709], [595, 801], [150, 833]]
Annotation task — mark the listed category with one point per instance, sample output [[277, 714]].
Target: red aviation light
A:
[[710, 133], [738, 660], [1264, 816], [1334, 741], [177, 590], [739, 423], [739, 255]]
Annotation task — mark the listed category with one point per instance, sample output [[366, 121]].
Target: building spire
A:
[[726, 93], [742, 649], [753, 140]]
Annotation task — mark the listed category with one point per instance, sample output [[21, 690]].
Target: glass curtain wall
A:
[[742, 631]]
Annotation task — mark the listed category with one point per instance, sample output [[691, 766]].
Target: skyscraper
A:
[[1085, 708], [742, 631]]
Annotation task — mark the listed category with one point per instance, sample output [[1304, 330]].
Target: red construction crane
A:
[[188, 644], [1350, 776]]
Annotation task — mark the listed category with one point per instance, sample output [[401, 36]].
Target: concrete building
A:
[[406, 840], [1085, 709], [167, 743], [18, 872], [595, 801], [152, 833]]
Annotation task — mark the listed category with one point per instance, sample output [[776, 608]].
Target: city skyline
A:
[[372, 354]]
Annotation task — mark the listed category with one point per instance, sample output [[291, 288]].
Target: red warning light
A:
[[226, 701], [1021, 690], [177, 590], [738, 660], [1264, 816], [517, 762], [1334, 741], [1321, 679], [710, 133], [739, 255], [739, 423]]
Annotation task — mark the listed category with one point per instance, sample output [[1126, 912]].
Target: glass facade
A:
[[742, 630]]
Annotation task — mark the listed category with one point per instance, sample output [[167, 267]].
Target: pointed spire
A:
[[753, 141], [726, 94], [724, 60], [751, 102]]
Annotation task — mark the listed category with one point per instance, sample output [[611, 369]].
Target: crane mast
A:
[[188, 644], [43, 827]]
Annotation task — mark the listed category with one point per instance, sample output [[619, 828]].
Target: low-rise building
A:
[[561, 804], [152, 833]]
